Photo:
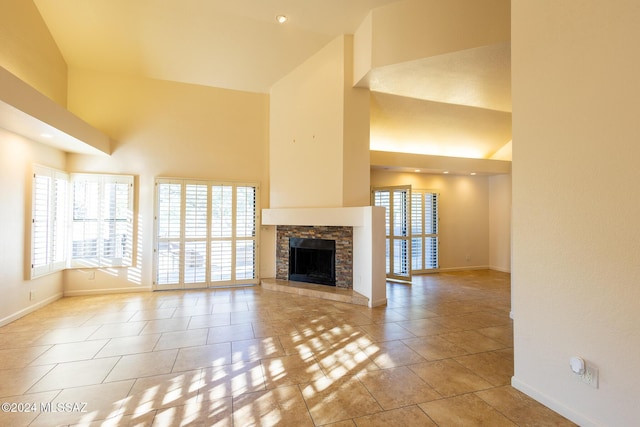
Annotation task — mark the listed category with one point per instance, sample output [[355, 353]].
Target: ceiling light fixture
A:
[[445, 172], [46, 135], [416, 170], [281, 19], [473, 173]]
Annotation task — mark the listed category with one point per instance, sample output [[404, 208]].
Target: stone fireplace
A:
[[342, 256], [360, 246]]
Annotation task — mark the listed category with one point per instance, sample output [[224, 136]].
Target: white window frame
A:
[[49, 232], [171, 237], [111, 219]]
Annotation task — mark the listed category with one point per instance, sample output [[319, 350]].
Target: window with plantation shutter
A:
[[206, 233], [101, 220], [49, 219]]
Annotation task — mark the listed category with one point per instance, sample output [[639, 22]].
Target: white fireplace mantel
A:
[[368, 224], [344, 217]]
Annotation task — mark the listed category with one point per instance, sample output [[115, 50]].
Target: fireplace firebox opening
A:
[[312, 260]]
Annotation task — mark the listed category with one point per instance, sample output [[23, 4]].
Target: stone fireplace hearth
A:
[[360, 249], [343, 237]]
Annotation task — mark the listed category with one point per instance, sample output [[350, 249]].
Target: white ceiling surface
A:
[[439, 101]]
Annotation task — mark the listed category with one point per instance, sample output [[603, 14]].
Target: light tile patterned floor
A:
[[439, 354]]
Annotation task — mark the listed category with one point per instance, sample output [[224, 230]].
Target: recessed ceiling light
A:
[[445, 172], [416, 170], [281, 19], [46, 135], [473, 173]]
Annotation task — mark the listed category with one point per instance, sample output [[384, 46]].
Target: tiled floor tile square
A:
[[143, 365], [449, 378], [129, 345], [397, 387], [67, 335], [34, 402], [155, 314], [84, 404], [494, 366], [291, 370], [70, 352], [256, 349], [179, 339], [159, 326], [240, 332], [218, 413], [435, 347], [409, 416], [75, 374], [20, 357], [209, 320], [348, 360], [203, 357], [464, 410], [162, 391], [392, 354], [109, 318], [232, 380], [521, 409], [330, 400], [116, 330], [386, 332], [472, 341], [280, 406]]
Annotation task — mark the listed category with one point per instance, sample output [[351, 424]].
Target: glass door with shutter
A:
[[206, 234], [424, 231], [397, 204]]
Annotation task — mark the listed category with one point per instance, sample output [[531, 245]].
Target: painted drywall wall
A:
[[307, 143], [17, 156], [500, 222], [355, 147], [415, 29], [463, 211], [576, 263], [165, 129], [29, 51]]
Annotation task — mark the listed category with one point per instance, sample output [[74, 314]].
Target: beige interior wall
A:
[[355, 167], [463, 211], [576, 257], [17, 156], [306, 144], [414, 29], [165, 129], [500, 222], [29, 51]]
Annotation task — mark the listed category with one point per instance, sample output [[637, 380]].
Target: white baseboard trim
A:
[[378, 303], [576, 417], [30, 309], [467, 268], [86, 292], [501, 269]]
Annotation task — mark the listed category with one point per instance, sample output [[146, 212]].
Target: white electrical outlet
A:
[[32, 295], [590, 376]]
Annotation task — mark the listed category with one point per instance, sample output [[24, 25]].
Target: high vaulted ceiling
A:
[[457, 103]]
